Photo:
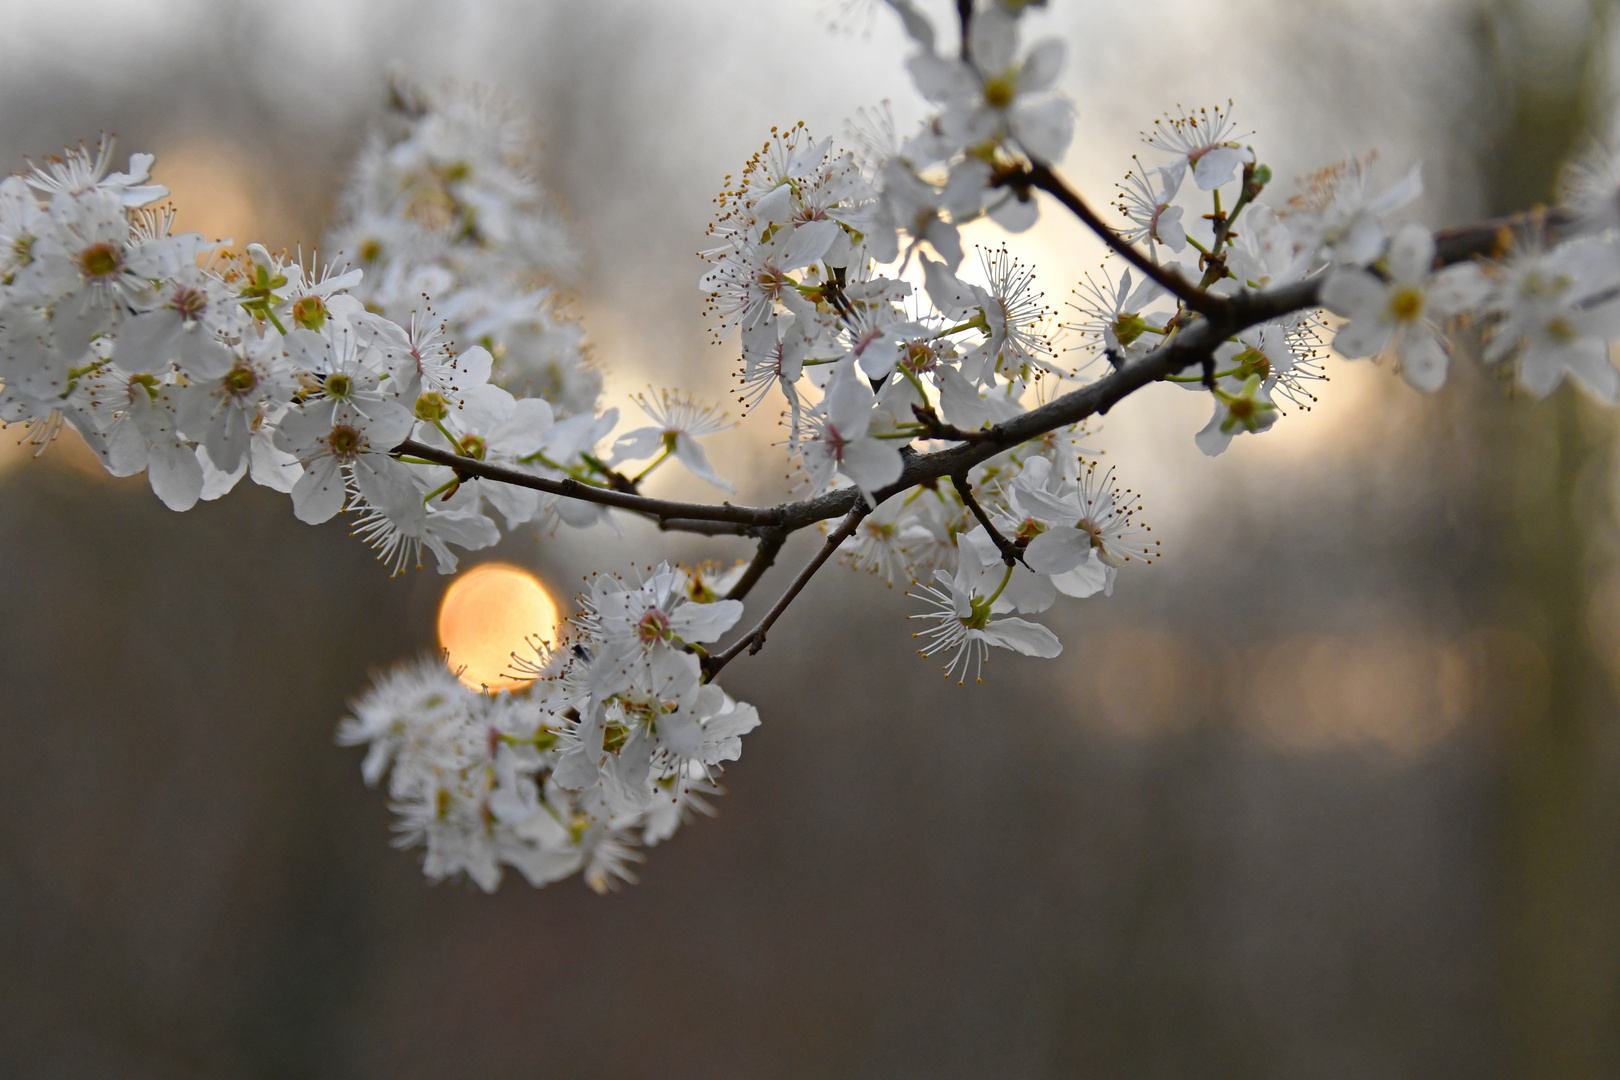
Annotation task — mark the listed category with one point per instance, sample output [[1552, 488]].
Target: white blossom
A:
[[995, 95], [1557, 312], [1404, 314], [1147, 204], [964, 632], [1202, 141], [678, 424], [840, 439]]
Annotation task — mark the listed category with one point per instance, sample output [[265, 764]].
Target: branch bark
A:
[[1493, 238], [1010, 553], [662, 510]]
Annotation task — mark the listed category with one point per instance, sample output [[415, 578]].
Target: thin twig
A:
[[1041, 176], [661, 509], [754, 640], [1493, 238], [1246, 192], [616, 479], [938, 429], [1010, 552]]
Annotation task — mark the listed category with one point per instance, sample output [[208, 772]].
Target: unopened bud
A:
[[1129, 327], [310, 313], [431, 406]]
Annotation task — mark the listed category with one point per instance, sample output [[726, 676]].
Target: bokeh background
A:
[[1330, 791]]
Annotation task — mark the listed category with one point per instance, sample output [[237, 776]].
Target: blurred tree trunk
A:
[[1560, 787]]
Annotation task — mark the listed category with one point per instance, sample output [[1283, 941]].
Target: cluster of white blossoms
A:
[[426, 385], [201, 366], [609, 746], [443, 206], [1546, 300], [813, 241]]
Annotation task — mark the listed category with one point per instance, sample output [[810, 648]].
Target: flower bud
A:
[[310, 312], [431, 406]]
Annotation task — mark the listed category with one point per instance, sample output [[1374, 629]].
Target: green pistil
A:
[[669, 448], [432, 407], [979, 609], [259, 296], [310, 312], [976, 323]]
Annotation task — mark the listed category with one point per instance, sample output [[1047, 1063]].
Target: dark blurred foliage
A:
[[1328, 793]]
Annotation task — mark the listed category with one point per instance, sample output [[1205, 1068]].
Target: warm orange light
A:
[[485, 616], [213, 191], [67, 448]]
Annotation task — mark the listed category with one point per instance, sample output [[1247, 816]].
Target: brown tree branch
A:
[[708, 528], [1010, 552], [938, 429], [1193, 345], [1189, 347], [1493, 238], [662, 510]]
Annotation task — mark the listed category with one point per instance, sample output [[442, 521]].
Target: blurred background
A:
[[1330, 791]]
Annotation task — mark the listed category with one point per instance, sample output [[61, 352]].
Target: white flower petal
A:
[[993, 35], [1088, 579], [1044, 129], [705, 622], [318, 494], [1031, 639], [872, 463], [1014, 214], [1411, 253], [1354, 293], [1216, 167], [691, 453], [1042, 66], [175, 474], [1423, 359], [1212, 440], [1057, 550], [1363, 337]]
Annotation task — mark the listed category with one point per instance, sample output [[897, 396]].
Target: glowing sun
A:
[[486, 614]]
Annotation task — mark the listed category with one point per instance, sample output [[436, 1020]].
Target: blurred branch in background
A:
[[1561, 770]]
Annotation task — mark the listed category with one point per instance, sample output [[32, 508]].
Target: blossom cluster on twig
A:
[[428, 382]]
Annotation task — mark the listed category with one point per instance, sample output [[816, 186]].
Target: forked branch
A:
[[1217, 321], [754, 640]]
